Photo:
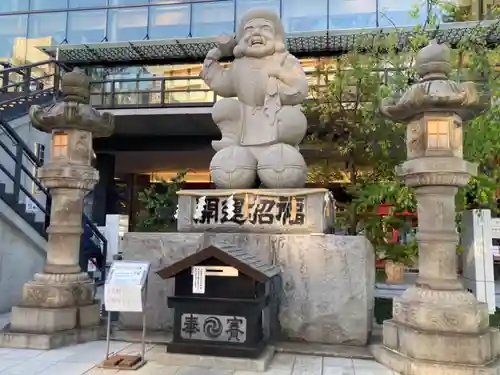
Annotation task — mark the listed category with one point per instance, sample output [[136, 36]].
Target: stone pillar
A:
[[437, 327], [58, 305]]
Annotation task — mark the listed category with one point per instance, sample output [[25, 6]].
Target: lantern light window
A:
[[438, 134], [60, 144]]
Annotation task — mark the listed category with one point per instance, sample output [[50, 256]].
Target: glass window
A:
[[13, 27], [48, 4], [14, 5], [348, 14], [169, 22], [127, 2], [127, 24], [87, 3], [86, 26], [243, 6], [396, 12], [212, 19], [48, 25], [300, 15]]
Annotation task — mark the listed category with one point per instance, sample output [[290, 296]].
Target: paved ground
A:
[[82, 360]]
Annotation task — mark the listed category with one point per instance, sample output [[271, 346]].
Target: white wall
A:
[[22, 254], [477, 256], [30, 136]]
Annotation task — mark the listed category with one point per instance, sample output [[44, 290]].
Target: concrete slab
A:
[[82, 359], [410, 366], [305, 348], [48, 341], [159, 354]]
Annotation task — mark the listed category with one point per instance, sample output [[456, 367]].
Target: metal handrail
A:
[[15, 69], [105, 92]]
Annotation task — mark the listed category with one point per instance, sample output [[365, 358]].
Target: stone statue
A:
[[262, 128]]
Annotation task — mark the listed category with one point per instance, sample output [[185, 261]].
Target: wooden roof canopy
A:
[[230, 255]]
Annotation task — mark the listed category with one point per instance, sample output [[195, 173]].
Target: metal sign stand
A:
[[127, 361]]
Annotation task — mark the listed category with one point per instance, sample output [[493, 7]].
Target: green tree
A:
[[160, 203], [348, 122]]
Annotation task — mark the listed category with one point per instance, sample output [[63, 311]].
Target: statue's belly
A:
[[258, 128]]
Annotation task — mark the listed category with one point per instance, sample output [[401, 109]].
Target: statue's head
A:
[[260, 34]]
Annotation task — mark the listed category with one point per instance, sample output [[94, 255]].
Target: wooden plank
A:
[[123, 362]]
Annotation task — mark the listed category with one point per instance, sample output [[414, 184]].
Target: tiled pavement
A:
[[82, 360]]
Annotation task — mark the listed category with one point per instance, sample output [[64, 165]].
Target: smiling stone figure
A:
[[261, 129]]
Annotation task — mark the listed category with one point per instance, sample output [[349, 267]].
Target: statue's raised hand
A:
[[214, 54]]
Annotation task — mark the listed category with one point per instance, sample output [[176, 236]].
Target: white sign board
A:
[[199, 276], [91, 266], [124, 290], [31, 207]]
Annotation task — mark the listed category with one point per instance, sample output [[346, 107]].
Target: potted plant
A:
[[398, 257]]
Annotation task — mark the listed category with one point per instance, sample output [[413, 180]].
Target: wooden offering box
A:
[[221, 303]]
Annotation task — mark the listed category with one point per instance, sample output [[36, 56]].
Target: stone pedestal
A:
[[59, 303], [327, 285], [327, 289], [438, 327]]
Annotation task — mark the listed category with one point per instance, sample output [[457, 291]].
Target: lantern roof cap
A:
[[433, 59], [75, 86]]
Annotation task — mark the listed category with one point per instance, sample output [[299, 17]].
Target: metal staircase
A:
[[20, 189]]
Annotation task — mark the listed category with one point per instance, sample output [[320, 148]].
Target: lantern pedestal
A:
[[58, 306], [437, 326]]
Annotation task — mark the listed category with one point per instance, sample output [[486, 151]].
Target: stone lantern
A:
[[58, 306], [437, 327]]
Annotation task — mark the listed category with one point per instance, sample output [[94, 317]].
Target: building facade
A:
[[53, 22]]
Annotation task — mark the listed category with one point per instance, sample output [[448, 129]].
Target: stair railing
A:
[[23, 86], [23, 164]]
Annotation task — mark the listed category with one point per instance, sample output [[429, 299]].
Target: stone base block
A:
[[89, 316], [441, 310], [314, 214], [41, 320], [326, 291], [259, 364], [53, 294], [465, 348], [409, 366], [9, 339]]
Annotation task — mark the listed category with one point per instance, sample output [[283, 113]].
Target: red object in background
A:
[[385, 210]]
